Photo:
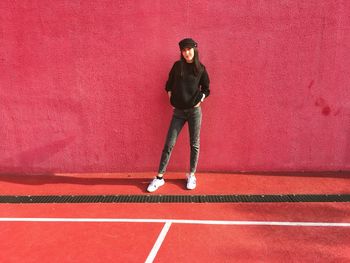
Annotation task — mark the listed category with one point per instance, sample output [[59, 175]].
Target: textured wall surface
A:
[[82, 84]]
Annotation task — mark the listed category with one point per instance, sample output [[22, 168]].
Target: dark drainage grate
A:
[[172, 198]]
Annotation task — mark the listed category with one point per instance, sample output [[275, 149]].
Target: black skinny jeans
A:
[[194, 118]]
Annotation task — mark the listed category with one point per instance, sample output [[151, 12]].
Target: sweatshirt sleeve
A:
[[204, 83], [170, 82]]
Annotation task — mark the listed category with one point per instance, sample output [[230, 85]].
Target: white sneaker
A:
[[155, 184], [191, 182]]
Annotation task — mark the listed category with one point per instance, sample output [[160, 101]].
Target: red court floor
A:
[[215, 232], [208, 183]]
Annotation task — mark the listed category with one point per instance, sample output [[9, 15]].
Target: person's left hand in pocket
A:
[[199, 103]]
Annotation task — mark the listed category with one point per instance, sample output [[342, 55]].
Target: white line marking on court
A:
[[173, 221], [158, 243]]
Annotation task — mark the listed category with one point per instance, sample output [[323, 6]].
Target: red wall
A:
[[82, 84]]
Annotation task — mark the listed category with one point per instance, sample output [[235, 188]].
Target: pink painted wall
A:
[[82, 84]]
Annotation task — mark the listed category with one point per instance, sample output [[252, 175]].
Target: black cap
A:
[[187, 42]]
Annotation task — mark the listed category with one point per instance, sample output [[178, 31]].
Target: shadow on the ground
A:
[[46, 179]]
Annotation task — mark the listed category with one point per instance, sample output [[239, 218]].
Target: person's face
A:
[[188, 54]]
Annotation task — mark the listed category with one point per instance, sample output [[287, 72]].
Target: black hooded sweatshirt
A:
[[187, 90]]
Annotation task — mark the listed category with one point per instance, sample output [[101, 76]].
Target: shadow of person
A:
[[50, 179]]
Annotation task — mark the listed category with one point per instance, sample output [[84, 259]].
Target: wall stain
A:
[[311, 84], [320, 102]]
